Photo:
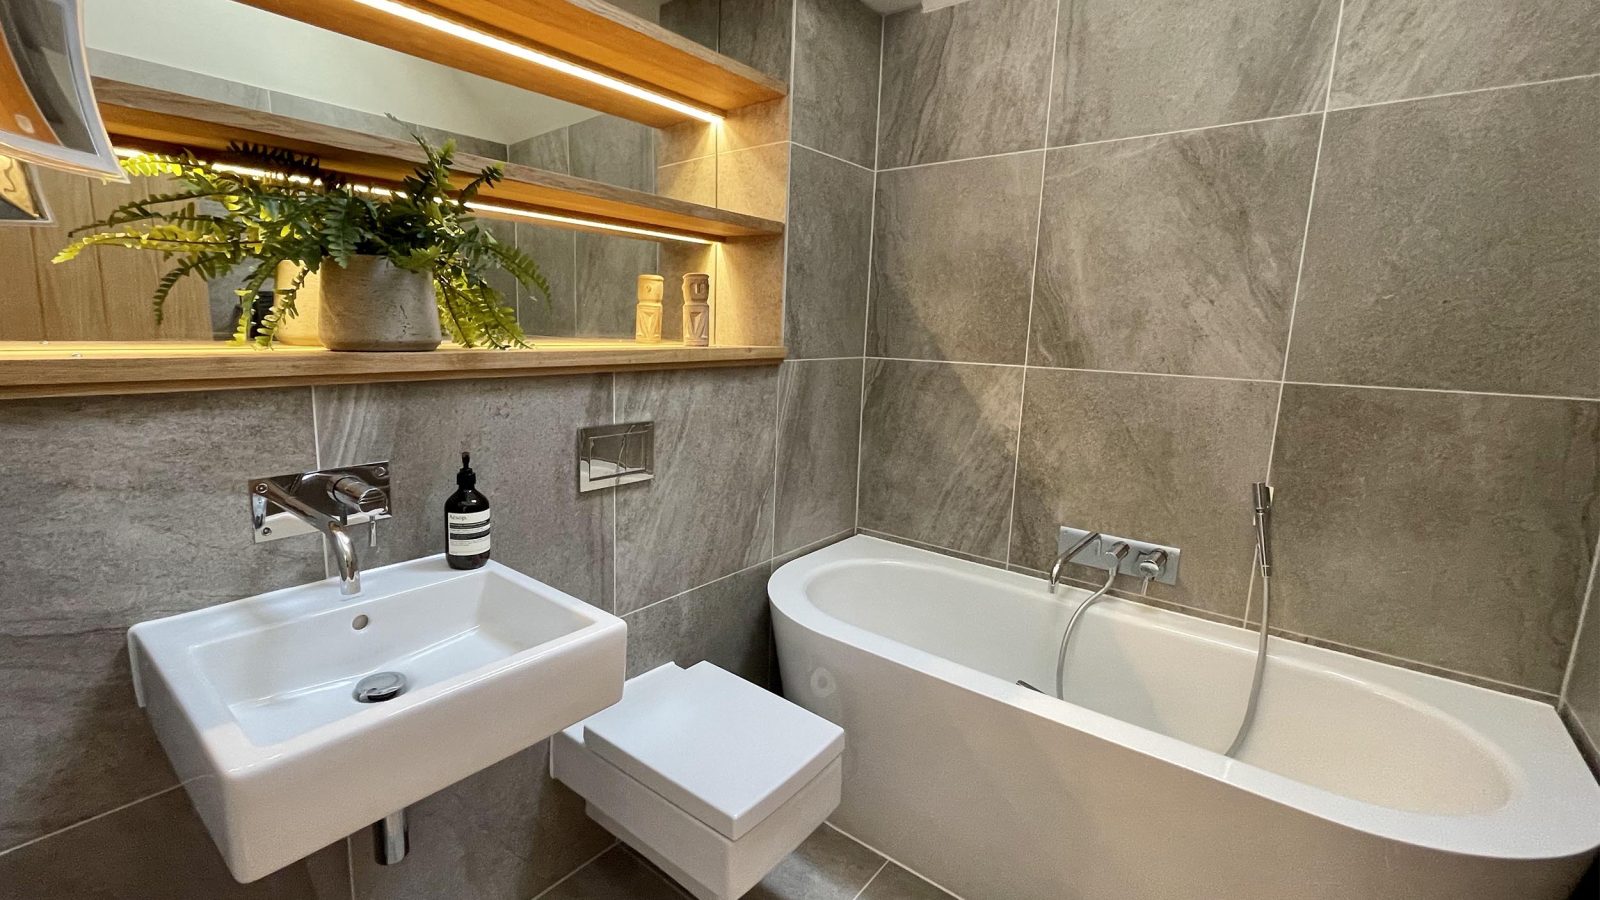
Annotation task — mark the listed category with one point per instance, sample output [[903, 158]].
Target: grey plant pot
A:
[[373, 305]]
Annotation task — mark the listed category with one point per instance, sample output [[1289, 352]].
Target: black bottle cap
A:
[[466, 479]]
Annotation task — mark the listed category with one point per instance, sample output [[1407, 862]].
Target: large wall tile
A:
[[555, 250], [829, 260], [521, 433], [157, 849], [1583, 683], [938, 449], [726, 622], [1452, 245], [1394, 49], [1168, 460], [819, 426], [693, 180], [758, 34], [1454, 530], [749, 275], [835, 92], [614, 151], [952, 259], [755, 181], [543, 151], [116, 510], [708, 512], [505, 833], [1175, 254], [967, 80], [1126, 69], [607, 282]]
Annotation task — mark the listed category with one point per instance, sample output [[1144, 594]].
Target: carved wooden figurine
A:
[[647, 316], [697, 310]]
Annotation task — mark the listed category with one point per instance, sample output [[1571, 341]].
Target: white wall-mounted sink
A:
[[253, 700]]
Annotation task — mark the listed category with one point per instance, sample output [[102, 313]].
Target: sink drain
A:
[[379, 687]]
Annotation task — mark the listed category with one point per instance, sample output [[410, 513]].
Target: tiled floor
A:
[[828, 866]]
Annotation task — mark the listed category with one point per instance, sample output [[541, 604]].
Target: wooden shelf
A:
[[55, 369], [591, 33], [152, 119]]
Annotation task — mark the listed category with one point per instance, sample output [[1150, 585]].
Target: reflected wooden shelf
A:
[[592, 33], [70, 369], [151, 119]]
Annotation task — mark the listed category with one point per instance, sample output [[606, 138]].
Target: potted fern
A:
[[398, 269]]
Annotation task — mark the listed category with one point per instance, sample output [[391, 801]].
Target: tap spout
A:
[[1067, 555]]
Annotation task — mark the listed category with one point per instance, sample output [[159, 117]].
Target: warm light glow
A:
[[501, 45], [249, 172]]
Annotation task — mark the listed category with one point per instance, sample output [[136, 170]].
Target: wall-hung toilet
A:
[[708, 776]]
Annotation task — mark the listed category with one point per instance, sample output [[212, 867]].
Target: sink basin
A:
[[254, 700]]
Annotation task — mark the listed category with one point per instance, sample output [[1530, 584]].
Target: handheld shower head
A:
[[1261, 502]]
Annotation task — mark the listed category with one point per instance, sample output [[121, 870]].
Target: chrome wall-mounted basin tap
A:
[[328, 501]]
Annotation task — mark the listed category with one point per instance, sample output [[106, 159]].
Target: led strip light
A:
[[490, 42], [129, 153]]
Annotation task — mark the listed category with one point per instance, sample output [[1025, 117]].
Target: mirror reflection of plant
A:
[[281, 207]]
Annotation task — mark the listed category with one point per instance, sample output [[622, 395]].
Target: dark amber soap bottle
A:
[[466, 521]]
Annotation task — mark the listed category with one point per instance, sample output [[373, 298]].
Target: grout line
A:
[[1577, 634], [350, 864], [924, 545], [1305, 242], [948, 162], [872, 231], [581, 866], [889, 859], [1178, 131], [1573, 721], [110, 812], [616, 519], [1447, 94], [881, 866], [1426, 390], [764, 562], [832, 157]]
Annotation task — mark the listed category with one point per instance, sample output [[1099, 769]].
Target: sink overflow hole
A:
[[360, 622]]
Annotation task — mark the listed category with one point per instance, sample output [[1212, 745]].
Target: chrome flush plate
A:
[[613, 455]]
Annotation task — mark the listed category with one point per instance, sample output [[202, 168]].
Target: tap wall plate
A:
[[271, 522], [1095, 554]]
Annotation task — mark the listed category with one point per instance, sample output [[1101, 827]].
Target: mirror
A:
[[228, 52]]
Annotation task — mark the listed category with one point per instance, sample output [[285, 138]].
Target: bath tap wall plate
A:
[[1099, 556], [271, 522]]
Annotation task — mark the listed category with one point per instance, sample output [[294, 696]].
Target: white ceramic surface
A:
[[253, 699], [1360, 780]]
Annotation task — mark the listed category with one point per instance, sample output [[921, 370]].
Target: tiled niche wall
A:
[[121, 509], [1128, 258]]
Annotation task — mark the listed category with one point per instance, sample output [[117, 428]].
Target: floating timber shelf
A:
[[57, 369], [590, 33], [150, 119]]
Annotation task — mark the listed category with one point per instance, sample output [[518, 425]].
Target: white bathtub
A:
[[1361, 781]]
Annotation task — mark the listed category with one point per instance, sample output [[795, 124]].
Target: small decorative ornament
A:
[[697, 310], [647, 316]]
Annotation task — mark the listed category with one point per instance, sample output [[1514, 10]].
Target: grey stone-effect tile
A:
[[968, 80], [835, 92], [827, 866], [1394, 49], [754, 181], [830, 235], [697, 20], [896, 883], [157, 849], [1500, 496], [1168, 460], [616, 875], [116, 510], [952, 259], [708, 513], [521, 432], [693, 181], [749, 275], [607, 283], [678, 260], [555, 250], [543, 151], [505, 833], [1452, 245], [614, 151], [938, 448], [758, 34], [1174, 254], [1583, 684], [726, 622], [104, 64], [1128, 69], [819, 424], [375, 123]]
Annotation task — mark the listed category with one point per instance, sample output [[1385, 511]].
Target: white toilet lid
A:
[[715, 745]]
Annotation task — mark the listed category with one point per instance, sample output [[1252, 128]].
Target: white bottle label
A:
[[468, 533]]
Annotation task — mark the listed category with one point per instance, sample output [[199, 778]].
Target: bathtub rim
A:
[[1514, 729]]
